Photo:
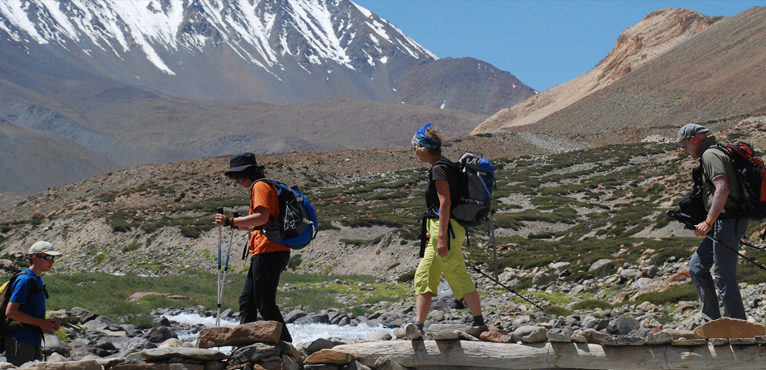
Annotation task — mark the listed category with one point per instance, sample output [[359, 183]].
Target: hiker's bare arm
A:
[[445, 202], [257, 218], [720, 196], [13, 312]]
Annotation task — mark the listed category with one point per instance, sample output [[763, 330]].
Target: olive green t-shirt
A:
[[716, 163]]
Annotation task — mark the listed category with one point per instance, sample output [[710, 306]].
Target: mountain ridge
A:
[[656, 34]]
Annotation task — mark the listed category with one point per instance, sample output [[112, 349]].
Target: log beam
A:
[[484, 355]]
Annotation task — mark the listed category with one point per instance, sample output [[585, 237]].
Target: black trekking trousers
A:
[[260, 291]]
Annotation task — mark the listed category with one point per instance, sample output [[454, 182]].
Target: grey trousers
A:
[[724, 257], [19, 353]]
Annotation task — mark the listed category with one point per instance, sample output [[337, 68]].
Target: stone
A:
[[559, 335], [158, 334], [386, 363], [412, 332], [356, 365], [592, 336], [596, 265], [290, 363], [682, 334], [52, 344], [689, 342], [496, 337], [628, 341], [742, 341], [718, 341], [659, 339], [161, 366], [161, 354], [72, 365], [531, 334], [445, 335], [328, 356], [253, 353], [380, 336], [449, 328], [622, 325], [318, 345], [294, 315], [240, 335], [173, 343], [726, 327], [679, 277]]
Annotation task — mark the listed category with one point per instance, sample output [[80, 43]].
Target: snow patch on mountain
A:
[[261, 32]]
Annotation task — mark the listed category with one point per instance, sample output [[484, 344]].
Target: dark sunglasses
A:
[[47, 257]]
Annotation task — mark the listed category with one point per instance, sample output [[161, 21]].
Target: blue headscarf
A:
[[420, 139]]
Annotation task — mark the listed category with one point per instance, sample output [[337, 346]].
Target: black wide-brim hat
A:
[[241, 162]]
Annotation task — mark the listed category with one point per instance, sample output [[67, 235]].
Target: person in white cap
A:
[[26, 307], [726, 222]]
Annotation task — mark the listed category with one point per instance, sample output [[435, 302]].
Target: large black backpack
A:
[[471, 208], [7, 325], [476, 179]]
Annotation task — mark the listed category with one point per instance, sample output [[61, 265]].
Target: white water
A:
[[300, 332]]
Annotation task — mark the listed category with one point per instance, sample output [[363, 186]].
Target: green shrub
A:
[[590, 304], [407, 276], [676, 293], [131, 247], [190, 232]]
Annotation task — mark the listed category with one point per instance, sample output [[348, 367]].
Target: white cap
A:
[[43, 247]]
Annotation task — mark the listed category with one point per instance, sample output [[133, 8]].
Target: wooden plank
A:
[[485, 355]]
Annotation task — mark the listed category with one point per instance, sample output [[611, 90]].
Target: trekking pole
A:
[[226, 266], [503, 285], [491, 224], [218, 316], [691, 227]]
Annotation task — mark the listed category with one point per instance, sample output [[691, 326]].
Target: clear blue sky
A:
[[542, 42]]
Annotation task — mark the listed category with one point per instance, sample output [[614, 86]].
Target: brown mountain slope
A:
[[658, 33], [717, 74], [43, 160]]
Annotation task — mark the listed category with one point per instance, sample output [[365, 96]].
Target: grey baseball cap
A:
[[689, 130], [43, 247]]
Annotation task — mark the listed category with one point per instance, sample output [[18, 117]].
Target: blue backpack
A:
[[297, 225]]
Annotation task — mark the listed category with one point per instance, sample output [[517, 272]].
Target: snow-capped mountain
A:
[[154, 81], [245, 49], [275, 51]]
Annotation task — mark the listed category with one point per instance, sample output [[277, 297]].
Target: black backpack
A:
[[476, 182], [476, 178], [7, 325]]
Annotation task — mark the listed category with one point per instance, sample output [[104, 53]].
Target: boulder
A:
[[329, 356], [82, 315], [253, 353], [161, 354], [622, 325], [726, 327], [240, 335], [159, 334], [531, 334]]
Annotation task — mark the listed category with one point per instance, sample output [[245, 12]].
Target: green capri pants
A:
[[428, 274]]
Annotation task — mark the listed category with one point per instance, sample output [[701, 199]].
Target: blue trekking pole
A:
[[222, 282], [217, 318]]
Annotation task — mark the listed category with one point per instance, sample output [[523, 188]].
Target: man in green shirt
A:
[[726, 223]]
